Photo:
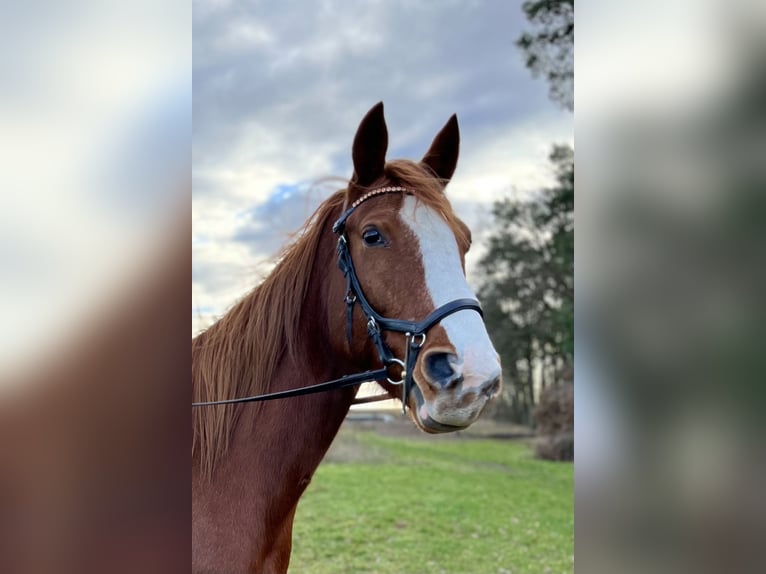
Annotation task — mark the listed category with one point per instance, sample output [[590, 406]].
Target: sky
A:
[[279, 88]]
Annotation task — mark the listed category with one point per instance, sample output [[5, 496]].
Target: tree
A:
[[558, 218], [527, 286], [527, 275], [548, 50]]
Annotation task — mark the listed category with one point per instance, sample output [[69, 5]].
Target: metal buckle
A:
[[410, 344], [422, 340]]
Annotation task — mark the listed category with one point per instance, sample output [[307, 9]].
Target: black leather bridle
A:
[[414, 331]]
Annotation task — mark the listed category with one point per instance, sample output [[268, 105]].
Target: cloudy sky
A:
[[279, 88]]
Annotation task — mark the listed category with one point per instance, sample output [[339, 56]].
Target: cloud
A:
[[267, 226], [278, 97]]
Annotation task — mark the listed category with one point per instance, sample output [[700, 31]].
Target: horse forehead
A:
[[428, 225]]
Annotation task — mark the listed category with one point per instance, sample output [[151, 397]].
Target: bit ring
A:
[[396, 361]]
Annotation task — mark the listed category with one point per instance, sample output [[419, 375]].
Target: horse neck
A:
[[277, 445]]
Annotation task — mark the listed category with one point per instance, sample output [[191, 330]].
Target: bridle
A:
[[415, 332]]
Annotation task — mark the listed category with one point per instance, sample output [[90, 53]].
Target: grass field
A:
[[421, 506]]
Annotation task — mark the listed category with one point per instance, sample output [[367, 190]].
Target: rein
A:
[[414, 332]]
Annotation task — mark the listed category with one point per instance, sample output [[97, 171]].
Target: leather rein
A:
[[414, 331]]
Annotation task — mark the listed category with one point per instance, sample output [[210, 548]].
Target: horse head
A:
[[408, 250]]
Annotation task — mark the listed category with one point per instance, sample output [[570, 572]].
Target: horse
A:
[[401, 252]]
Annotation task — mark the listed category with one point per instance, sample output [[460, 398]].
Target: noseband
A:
[[414, 331]]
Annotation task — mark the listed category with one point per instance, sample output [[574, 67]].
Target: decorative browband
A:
[[374, 192], [339, 225]]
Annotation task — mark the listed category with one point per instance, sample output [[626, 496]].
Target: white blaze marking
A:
[[445, 281]]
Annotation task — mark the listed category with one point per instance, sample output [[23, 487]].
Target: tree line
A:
[[527, 275]]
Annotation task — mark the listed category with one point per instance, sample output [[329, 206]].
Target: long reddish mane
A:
[[238, 355]]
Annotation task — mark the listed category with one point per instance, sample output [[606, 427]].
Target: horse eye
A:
[[372, 237]]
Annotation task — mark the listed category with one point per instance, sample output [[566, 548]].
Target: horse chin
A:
[[427, 423]]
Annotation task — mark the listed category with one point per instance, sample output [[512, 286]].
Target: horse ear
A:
[[441, 157], [370, 145]]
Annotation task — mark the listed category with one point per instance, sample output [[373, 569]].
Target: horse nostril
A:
[[492, 387], [438, 367]]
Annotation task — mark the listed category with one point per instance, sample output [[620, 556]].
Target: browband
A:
[[341, 223]]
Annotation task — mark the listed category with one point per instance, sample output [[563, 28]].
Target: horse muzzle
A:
[[450, 404]]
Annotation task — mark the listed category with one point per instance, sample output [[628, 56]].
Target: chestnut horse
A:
[[301, 326]]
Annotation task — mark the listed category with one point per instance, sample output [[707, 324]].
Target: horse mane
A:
[[238, 355]]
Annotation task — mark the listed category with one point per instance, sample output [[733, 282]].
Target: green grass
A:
[[422, 507]]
